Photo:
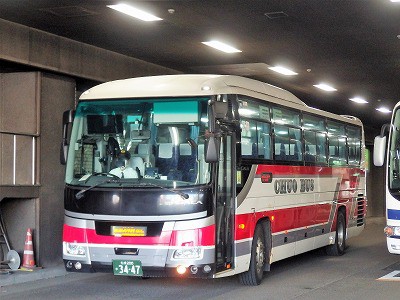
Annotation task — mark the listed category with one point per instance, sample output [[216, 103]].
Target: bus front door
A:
[[225, 204]]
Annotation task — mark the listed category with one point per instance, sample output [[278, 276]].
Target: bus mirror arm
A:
[[68, 118], [384, 130], [212, 148]]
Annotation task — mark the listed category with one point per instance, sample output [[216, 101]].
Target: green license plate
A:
[[127, 267]]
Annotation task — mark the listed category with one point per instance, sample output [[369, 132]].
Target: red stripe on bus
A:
[[283, 219], [307, 170], [194, 237]]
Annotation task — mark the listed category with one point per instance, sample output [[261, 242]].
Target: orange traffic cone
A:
[[28, 260]]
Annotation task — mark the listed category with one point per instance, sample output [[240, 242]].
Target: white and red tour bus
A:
[[206, 176]]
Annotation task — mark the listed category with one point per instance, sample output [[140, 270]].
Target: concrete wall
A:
[[34, 104], [57, 95], [375, 189]]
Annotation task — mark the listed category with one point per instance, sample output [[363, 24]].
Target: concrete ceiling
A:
[[351, 44]]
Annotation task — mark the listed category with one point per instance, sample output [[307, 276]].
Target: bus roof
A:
[[200, 85], [185, 85]]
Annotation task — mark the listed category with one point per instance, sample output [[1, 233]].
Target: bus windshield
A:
[[143, 142], [394, 155]]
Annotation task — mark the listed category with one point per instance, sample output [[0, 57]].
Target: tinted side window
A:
[[287, 143]]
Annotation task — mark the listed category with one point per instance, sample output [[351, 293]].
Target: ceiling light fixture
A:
[[325, 87], [221, 46], [394, 0], [384, 110], [358, 100], [283, 70], [134, 12]]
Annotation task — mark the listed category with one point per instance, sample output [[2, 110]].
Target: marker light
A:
[[181, 270], [241, 226], [194, 269], [78, 265], [207, 269]]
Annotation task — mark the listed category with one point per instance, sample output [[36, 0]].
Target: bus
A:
[[206, 176], [390, 138]]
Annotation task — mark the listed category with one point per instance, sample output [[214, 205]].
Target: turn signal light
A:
[[181, 270]]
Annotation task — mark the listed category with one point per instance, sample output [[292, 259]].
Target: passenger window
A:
[[310, 140], [337, 151], [313, 123], [288, 143], [249, 138], [264, 140], [336, 128], [354, 145], [286, 116], [321, 148], [254, 110]]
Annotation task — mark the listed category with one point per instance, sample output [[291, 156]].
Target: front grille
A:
[[360, 210]]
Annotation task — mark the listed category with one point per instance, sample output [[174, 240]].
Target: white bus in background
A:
[[390, 139], [206, 176]]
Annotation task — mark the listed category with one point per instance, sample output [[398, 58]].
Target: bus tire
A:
[[257, 260], [338, 248]]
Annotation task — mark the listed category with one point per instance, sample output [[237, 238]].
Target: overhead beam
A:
[[36, 48]]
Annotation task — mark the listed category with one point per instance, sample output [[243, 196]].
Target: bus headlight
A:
[[392, 231], [188, 253], [75, 249]]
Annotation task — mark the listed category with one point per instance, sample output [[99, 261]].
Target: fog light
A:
[[388, 231], [181, 269], [392, 231], [68, 264], [207, 269], [78, 265], [194, 269]]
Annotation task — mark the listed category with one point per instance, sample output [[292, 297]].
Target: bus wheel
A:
[[257, 261], [339, 246]]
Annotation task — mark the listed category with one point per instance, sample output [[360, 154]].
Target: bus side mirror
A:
[[380, 146], [379, 150], [212, 149], [68, 118]]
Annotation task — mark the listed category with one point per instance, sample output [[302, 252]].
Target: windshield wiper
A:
[[183, 195], [81, 193], [101, 174]]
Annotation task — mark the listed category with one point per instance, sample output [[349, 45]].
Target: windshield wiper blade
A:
[[183, 195], [102, 174], [81, 193]]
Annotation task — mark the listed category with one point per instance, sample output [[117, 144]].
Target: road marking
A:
[[392, 276]]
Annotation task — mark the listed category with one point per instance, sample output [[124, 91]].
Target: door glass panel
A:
[[224, 205]]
